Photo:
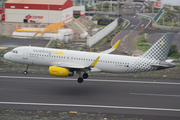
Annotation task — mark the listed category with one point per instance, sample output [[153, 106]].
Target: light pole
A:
[[172, 22], [178, 17], [81, 2], [102, 8], [152, 7], [111, 5], [163, 21]]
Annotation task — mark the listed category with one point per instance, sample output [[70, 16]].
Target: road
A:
[[157, 34], [129, 34], [97, 94], [16, 42], [133, 28]]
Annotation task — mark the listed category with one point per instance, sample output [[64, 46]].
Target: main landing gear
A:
[[81, 79], [26, 72]]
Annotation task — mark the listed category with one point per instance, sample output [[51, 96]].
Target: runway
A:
[[96, 94]]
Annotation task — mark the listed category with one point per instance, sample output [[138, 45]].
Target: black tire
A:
[[85, 75], [80, 80], [25, 72]]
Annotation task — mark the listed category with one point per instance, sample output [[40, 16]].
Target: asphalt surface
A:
[[157, 34], [15, 42], [153, 97], [129, 34], [134, 27]]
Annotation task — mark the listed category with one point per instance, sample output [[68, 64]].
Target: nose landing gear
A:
[[26, 72]]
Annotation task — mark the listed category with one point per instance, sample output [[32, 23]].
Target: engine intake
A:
[[59, 71]]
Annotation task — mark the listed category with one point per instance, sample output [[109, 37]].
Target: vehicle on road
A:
[[64, 63]]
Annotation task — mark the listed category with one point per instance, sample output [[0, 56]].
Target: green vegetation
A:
[[141, 43], [149, 8], [168, 16], [61, 45], [56, 115], [105, 39], [173, 52]]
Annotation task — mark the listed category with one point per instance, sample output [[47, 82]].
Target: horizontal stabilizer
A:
[[164, 64]]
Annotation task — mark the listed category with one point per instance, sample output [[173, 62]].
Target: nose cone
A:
[[7, 56]]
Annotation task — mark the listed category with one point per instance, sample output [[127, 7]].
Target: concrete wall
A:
[[101, 34]]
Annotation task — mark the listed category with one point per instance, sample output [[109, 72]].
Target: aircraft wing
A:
[[77, 66], [112, 48]]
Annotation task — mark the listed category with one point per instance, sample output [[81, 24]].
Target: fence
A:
[[101, 34]]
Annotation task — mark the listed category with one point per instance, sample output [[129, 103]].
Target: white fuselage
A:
[[56, 57]]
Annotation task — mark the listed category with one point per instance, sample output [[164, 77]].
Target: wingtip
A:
[[117, 43]]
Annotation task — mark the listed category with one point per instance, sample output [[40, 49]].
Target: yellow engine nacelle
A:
[[59, 71]]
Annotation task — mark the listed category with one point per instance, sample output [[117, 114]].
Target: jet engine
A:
[[59, 71]]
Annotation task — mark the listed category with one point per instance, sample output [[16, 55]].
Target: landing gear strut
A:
[[26, 72]]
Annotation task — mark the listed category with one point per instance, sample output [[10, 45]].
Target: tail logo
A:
[[162, 43]]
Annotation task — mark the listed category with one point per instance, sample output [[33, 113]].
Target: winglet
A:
[[112, 48], [117, 43], [95, 62]]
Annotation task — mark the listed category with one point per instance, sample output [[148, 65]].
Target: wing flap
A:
[[75, 66]]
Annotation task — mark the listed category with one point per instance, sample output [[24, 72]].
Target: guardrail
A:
[[158, 15]]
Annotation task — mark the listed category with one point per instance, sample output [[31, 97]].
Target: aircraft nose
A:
[[7, 56]]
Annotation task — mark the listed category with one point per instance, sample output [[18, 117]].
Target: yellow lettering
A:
[[57, 53]]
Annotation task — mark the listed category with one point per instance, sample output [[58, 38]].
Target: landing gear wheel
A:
[[85, 75], [80, 80], [25, 72]]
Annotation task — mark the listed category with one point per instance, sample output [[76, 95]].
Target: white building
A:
[[40, 11]]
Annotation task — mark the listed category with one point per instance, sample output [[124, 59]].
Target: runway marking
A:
[[94, 80], [89, 106], [164, 95], [132, 30]]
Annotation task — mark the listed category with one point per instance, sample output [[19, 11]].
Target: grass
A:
[[105, 38], [110, 35], [141, 44], [59, 115]]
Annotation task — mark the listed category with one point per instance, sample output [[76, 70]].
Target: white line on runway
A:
[[90, 106], [94, 80], [164, 95]]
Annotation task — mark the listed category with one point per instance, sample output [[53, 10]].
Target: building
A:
[[39, 11]]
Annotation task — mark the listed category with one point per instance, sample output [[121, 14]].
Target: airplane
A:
[[64, 63]]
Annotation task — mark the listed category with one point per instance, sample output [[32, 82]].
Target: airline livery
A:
[[64, 63]]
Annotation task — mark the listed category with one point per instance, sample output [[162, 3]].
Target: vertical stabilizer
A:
[[160, 49]]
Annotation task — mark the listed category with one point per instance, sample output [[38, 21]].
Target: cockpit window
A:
[[15, 51]]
